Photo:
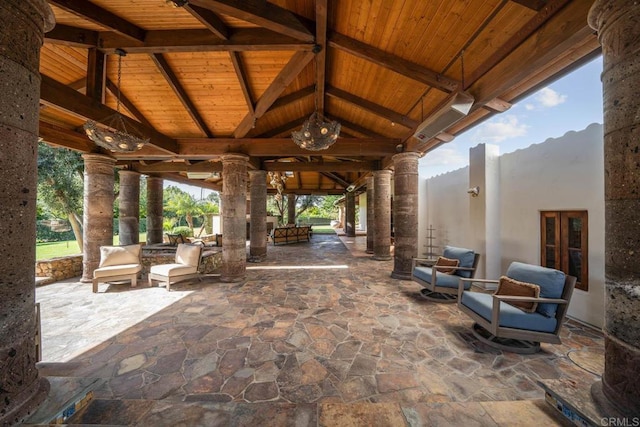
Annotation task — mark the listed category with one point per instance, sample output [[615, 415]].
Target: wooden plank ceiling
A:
[[216, 76]]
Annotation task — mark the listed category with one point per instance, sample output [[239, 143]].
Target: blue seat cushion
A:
[[444, 280], [510, 316], [465, 256], [551, 283]]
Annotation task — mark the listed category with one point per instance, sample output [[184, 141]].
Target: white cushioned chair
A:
[[500, 324], [118, 263], [185, 266], [440, 283]]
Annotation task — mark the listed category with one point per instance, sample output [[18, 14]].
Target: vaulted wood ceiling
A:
[[219, 76]]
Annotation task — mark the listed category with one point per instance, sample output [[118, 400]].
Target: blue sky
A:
[[570, 103]]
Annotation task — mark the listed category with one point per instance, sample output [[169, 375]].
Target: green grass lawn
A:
[[56, 249]]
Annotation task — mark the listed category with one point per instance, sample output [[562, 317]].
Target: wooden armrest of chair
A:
[[530, 299], [463, 280], [423, 262]]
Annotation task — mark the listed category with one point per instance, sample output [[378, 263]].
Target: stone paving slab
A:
[[342, 332]]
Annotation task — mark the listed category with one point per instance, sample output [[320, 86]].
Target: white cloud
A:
[[548, 97], [530, 107], [445, 156], [500, 129]]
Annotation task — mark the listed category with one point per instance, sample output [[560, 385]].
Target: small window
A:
[[563, 246]]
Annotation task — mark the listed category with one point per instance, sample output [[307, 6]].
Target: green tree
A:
[[60, 185], [182, 204]]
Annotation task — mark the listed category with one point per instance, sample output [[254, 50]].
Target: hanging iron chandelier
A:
[[113, 133]]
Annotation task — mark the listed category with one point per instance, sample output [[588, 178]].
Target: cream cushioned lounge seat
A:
[[118, 263], [185, 266]]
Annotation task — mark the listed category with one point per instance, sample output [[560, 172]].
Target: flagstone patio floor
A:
[[318, 334]]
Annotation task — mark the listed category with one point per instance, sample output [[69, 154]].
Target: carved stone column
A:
[[618, 26], [350, 214], [405, 213], [382, 215], [154, 210], [258, 224], [23, 25], [370, 215], [97, 218], [129, 219], [234, 237]]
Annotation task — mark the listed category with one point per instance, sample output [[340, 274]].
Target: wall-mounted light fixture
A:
[[474, 191]]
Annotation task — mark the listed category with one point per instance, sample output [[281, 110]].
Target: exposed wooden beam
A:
[[372, 107], [126, 102], [517, 39], [536, 5], [72, 36], [392, 62], [321, 57], [319, 166], [101, 17], [209, 20], [292, 97], [96, 75], [265, 147], [261, 13], [176, 86], [534, 52], [184, 180], [178, 167], [296, 64], [66, 138], [242, 80], [497, 105], [80, 84], [356, 128], [166, 41], [58, 95], [284, 128]]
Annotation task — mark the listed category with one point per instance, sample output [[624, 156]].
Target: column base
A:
[[382, 257], [232, 279], [607, 407], [401, 275], [256, 258], [86, 280], [620, 385], [29, 405], [368, 251]]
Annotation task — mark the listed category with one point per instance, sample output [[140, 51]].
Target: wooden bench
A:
[[287, 235]]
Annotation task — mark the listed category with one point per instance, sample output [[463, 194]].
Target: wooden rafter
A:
[[96, 75], [167, 41], [319, 166], [176, 86], [72, 36], [102, 17], [532, 4], [261, 13], [177, 167], [293, 97], [55, 94], [371, 107], [242, 80], [321, 57], [392, 62], [289, 126], [209, 20], [126, 102], [356, 128], [289, 72]]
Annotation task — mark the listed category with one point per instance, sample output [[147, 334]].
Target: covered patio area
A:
[[318, 334]]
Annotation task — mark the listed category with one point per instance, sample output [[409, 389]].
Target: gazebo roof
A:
[[220, 76]]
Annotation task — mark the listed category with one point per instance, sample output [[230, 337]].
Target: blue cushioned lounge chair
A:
[[509, 328], [439, 286]]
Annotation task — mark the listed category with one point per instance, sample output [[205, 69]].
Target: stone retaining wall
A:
[[67, 267]]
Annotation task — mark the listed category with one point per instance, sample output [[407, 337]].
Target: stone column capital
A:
[[128, 172], [381, 173], [98, 158], [616, 22], [234, 158], [409, 155]]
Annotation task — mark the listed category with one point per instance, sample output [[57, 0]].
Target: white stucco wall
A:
[[566, 173]]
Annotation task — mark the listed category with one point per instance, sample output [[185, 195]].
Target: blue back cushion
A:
[[465, 256], [551, 283]]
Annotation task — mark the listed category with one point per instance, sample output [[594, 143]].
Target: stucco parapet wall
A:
[[68, 267]]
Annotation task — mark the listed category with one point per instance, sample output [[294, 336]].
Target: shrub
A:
[[185, 231]]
